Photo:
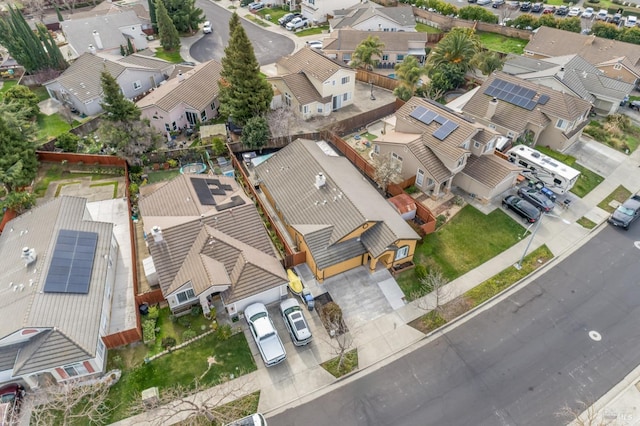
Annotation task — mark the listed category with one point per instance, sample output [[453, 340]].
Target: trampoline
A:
[[193, 168]]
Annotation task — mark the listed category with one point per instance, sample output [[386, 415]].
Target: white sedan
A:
[[574, 11], [206, 27], [314, 44], [483, 2], [588, 13]]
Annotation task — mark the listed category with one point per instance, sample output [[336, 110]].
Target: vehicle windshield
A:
[[625, 210]]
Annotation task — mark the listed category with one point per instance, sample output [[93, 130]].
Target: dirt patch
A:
[[321, 301], [447, 312]]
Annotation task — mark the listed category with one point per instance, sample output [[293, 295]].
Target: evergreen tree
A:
[[21, 98], [18, 162], [60, 18], [185, 15], [255, 133], [244, 93], [130, 50], [169, 37], [115, 105], [152, 14]]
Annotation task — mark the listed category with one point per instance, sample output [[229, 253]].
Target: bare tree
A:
[[66, 113], [280, 121], [387, 170], [189, 404], [341, 340], [434, 285], [583, 414], [69, 403]]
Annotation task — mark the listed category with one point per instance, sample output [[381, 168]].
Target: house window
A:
[[617, 67], [476, 144], [319, 108], [287, 99], [466, 145], [305, 109], [76, 370], [400, 58], [402, 252], [203, 115], [101, 349], [345, 80], [492, 126], [174, 126], [488, 146], [137, 85], [166, 127], [186, 295], [429, 182], [386, 30], [397, 158], [385, 57], [511, 134], [346, 96], [346, 57], [213, 106], [312, 2], [561, 124], [419, 177], [461, 162]]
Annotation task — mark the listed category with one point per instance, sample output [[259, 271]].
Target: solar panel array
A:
[[72, 262], [207, 188], [427, 116], [515, 94]]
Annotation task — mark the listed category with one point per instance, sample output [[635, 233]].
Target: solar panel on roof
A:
[[543, 99], [203, 192], [514, 94], [418, 112], [428, 117], [440, 119], [445, 130], [72, 262]]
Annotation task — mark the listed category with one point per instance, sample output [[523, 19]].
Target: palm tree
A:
[[409, 72], [487, 62], [458, 47], [367, 53]]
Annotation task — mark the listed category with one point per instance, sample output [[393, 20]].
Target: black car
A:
[[526, 6], [626, 213], [537, 7], [562, 11], [616, 19], [523, 208], [536, 198]]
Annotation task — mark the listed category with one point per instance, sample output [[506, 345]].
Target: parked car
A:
[[602, 15], [497, 3], [562, 10], [635, 105], [513, 4], [616, 19], [314, 44], [206, 27], [9, 392], [588, 13], [297, 23], [549, 10], [483, 2], [537, 7], [522, 208], [265, 334], [295, 322], [256, 6], [574, 11], [287, 18], [626, 213], [233, 128], [256, 419], [631, 21], [536, 198], [525, 6]]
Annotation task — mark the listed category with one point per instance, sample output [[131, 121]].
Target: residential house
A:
[[317, 10], [371, 16], [185, 100], [528, 112], [574, 75], [80, 86], [311, 84], [333, 213], [207, 240], [59, 276], [441, 148], [341, 44], [105, 33], [616, 59]]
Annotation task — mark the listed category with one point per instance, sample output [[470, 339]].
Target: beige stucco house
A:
[[311, 84]]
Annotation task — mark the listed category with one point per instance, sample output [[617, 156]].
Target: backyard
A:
[[502, 44], [465, 242]]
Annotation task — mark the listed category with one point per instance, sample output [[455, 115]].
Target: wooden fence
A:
[[103, 160], [151, 297], [122, 338], [378, 80]]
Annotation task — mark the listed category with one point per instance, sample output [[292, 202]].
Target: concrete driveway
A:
[[596, 156]]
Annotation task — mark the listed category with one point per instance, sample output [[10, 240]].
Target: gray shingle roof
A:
[[76, 317], [348, 40], [560, 105], [302, 89], [198, 89], [79, 33], [204, 245], [311, 62], [330, 213], [402, 15]]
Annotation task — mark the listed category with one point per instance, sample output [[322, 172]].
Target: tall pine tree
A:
[[169, 37], [244, 93], [115, 105]]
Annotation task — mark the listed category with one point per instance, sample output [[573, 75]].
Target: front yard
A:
[[616, 131], [467, 241]]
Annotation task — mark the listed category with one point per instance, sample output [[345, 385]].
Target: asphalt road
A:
[[267, 45], [517, 363]]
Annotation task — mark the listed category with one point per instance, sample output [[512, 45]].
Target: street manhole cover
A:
[[595, 335]]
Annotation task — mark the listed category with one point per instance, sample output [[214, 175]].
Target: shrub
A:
[[184, 321], [188, 335], [154, 312], [440, 220], [149, 331], [411, 190], [458, 200], [218, 146], [173, 318], [168, 342], [195, 311], [172, 163], [421, 271], [223, 332], [133, 188], [332, 312]]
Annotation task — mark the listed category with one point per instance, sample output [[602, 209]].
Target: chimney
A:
[[98, 40], [180, 76], [491, 108], [28, 255], [92, 49], [157, 234], [320, 180]]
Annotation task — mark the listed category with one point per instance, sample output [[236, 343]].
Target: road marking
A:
[[637, 244], [595, 335]]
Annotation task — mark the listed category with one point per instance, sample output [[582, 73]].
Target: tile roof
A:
[[311, 62], [348, 40], [559, 105], [198, 88], [145, 61], [79, 32], [302, 89], [596, 50], [489, 170], [205, 245], [327, 215], [350, 18], [75, 317]]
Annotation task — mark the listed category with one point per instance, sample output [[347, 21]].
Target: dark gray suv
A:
[[536, 198], [523, 208]]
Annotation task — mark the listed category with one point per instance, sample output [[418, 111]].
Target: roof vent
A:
[[28, 255], [320, 180], [92, 49], [180, 76], [157, 234]]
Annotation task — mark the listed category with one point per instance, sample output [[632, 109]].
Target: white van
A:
[[631, 21]]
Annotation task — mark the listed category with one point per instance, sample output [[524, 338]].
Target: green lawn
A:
[[173, 57], [587, 180], [424, 28], [162, 175], [181, 367], [258, 20], [6, 85], [500, 43], [312, 31], [586, 223], [275, 14], [54, 172], [620, 194], [175, 329], [41, 93], [467, 241], [50, 126]]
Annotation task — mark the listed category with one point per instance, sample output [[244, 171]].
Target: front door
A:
[[337, 102]]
